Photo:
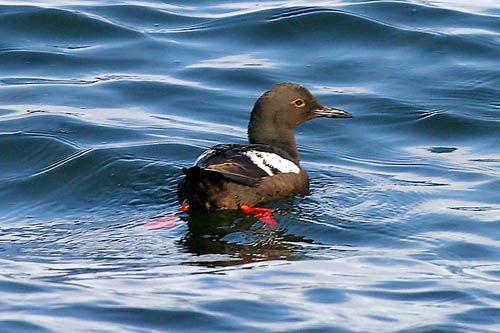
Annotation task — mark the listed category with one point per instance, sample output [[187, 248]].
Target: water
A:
[[103, 102]]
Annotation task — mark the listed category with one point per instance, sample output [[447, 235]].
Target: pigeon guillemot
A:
[[228, 176]]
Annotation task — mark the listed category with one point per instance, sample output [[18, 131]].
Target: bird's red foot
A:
[[261, 213], [168, 221], [185, 206]]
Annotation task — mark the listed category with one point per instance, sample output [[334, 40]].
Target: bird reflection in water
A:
[[231, 237], [240, 238]]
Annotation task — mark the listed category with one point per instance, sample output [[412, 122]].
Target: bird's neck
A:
[[283, 140]]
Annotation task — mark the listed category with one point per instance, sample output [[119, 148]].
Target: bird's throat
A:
[[283, 140]]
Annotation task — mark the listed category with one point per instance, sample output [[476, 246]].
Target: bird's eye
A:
[[299, 102]]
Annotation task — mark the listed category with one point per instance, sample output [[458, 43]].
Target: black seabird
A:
[[228, 176]]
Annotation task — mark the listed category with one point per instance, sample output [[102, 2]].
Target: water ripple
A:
[[103, 103]]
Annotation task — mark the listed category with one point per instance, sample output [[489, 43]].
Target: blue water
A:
[[103, 102]]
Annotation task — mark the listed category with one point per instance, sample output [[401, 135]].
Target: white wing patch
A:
[[268, 161]]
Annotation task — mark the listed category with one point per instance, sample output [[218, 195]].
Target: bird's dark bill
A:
[[329, 112]]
